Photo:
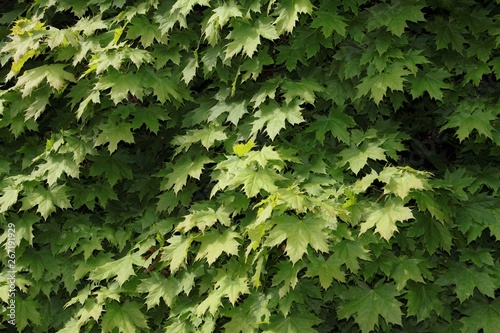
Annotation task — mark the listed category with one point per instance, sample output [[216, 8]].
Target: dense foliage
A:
[[278, 166]]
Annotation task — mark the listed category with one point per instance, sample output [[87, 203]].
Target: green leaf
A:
[[431, 81], [401, 181], [250, 315], [246, 37], [112, 134], [27, 311], [435, 234], [482, 315], [325, 270], [423, 299], [272, 116], [256, 180], [150, 117], [55, 75], [337, 123], [231, 287], [126, 317], [288, 14], [8, 198], [384, 219], [329, 21], [55, 166], [47, 200], [184, 168], [121, 269], [394, 16], [305, 90], [466, 279], [213, 244], [471, 116], [205, 218], [157, 287], [176, 252], [148, 32], [392, 78], [121, 85], [366, 304], [349, 252], [299, 234], [358, 157], [293, 323], [115, 167]]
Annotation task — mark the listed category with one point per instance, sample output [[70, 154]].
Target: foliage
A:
[[251, 166]]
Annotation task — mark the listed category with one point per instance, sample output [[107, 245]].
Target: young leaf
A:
[[156, 287], [112, 134], [214, 243], [384, 219]]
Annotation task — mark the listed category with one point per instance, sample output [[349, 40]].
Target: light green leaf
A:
[[213, 244], [288, 14], [358, 157], [384, 219], [121, 269], [47, 200], [112, 134], [298, 322], [158, 286], [55, 75]]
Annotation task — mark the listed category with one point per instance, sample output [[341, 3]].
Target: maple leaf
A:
[[273, 117], [349, 252], [55, 75], [27, 311], [384, 219], [297, 322], [394, 16], [256, 180], [115, 167], [232, 287], [185, 167], [466, 279], [24, 227], [299, 234], [205, 218], [176, 252], [243, 148], [55, 166], [207, 136], [164, 86], [8, 198], [112, 134], [288, 275], [305, 89], [246, 37], [158, 287], [470, 116], [248, 317], [366, 304], [121, 85], [150, 117], [148, 32], [447, 33], [326, 270], [47, 200], [358, 157], [423, 299], [402, 181], [122, 269], [482, 315], [435, 234], [214, 243], [392, 78], [337, 123], [431, 81], [126, 317], [329, 21], [288, 14]]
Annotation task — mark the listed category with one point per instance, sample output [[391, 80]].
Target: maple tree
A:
[[251, 165]]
